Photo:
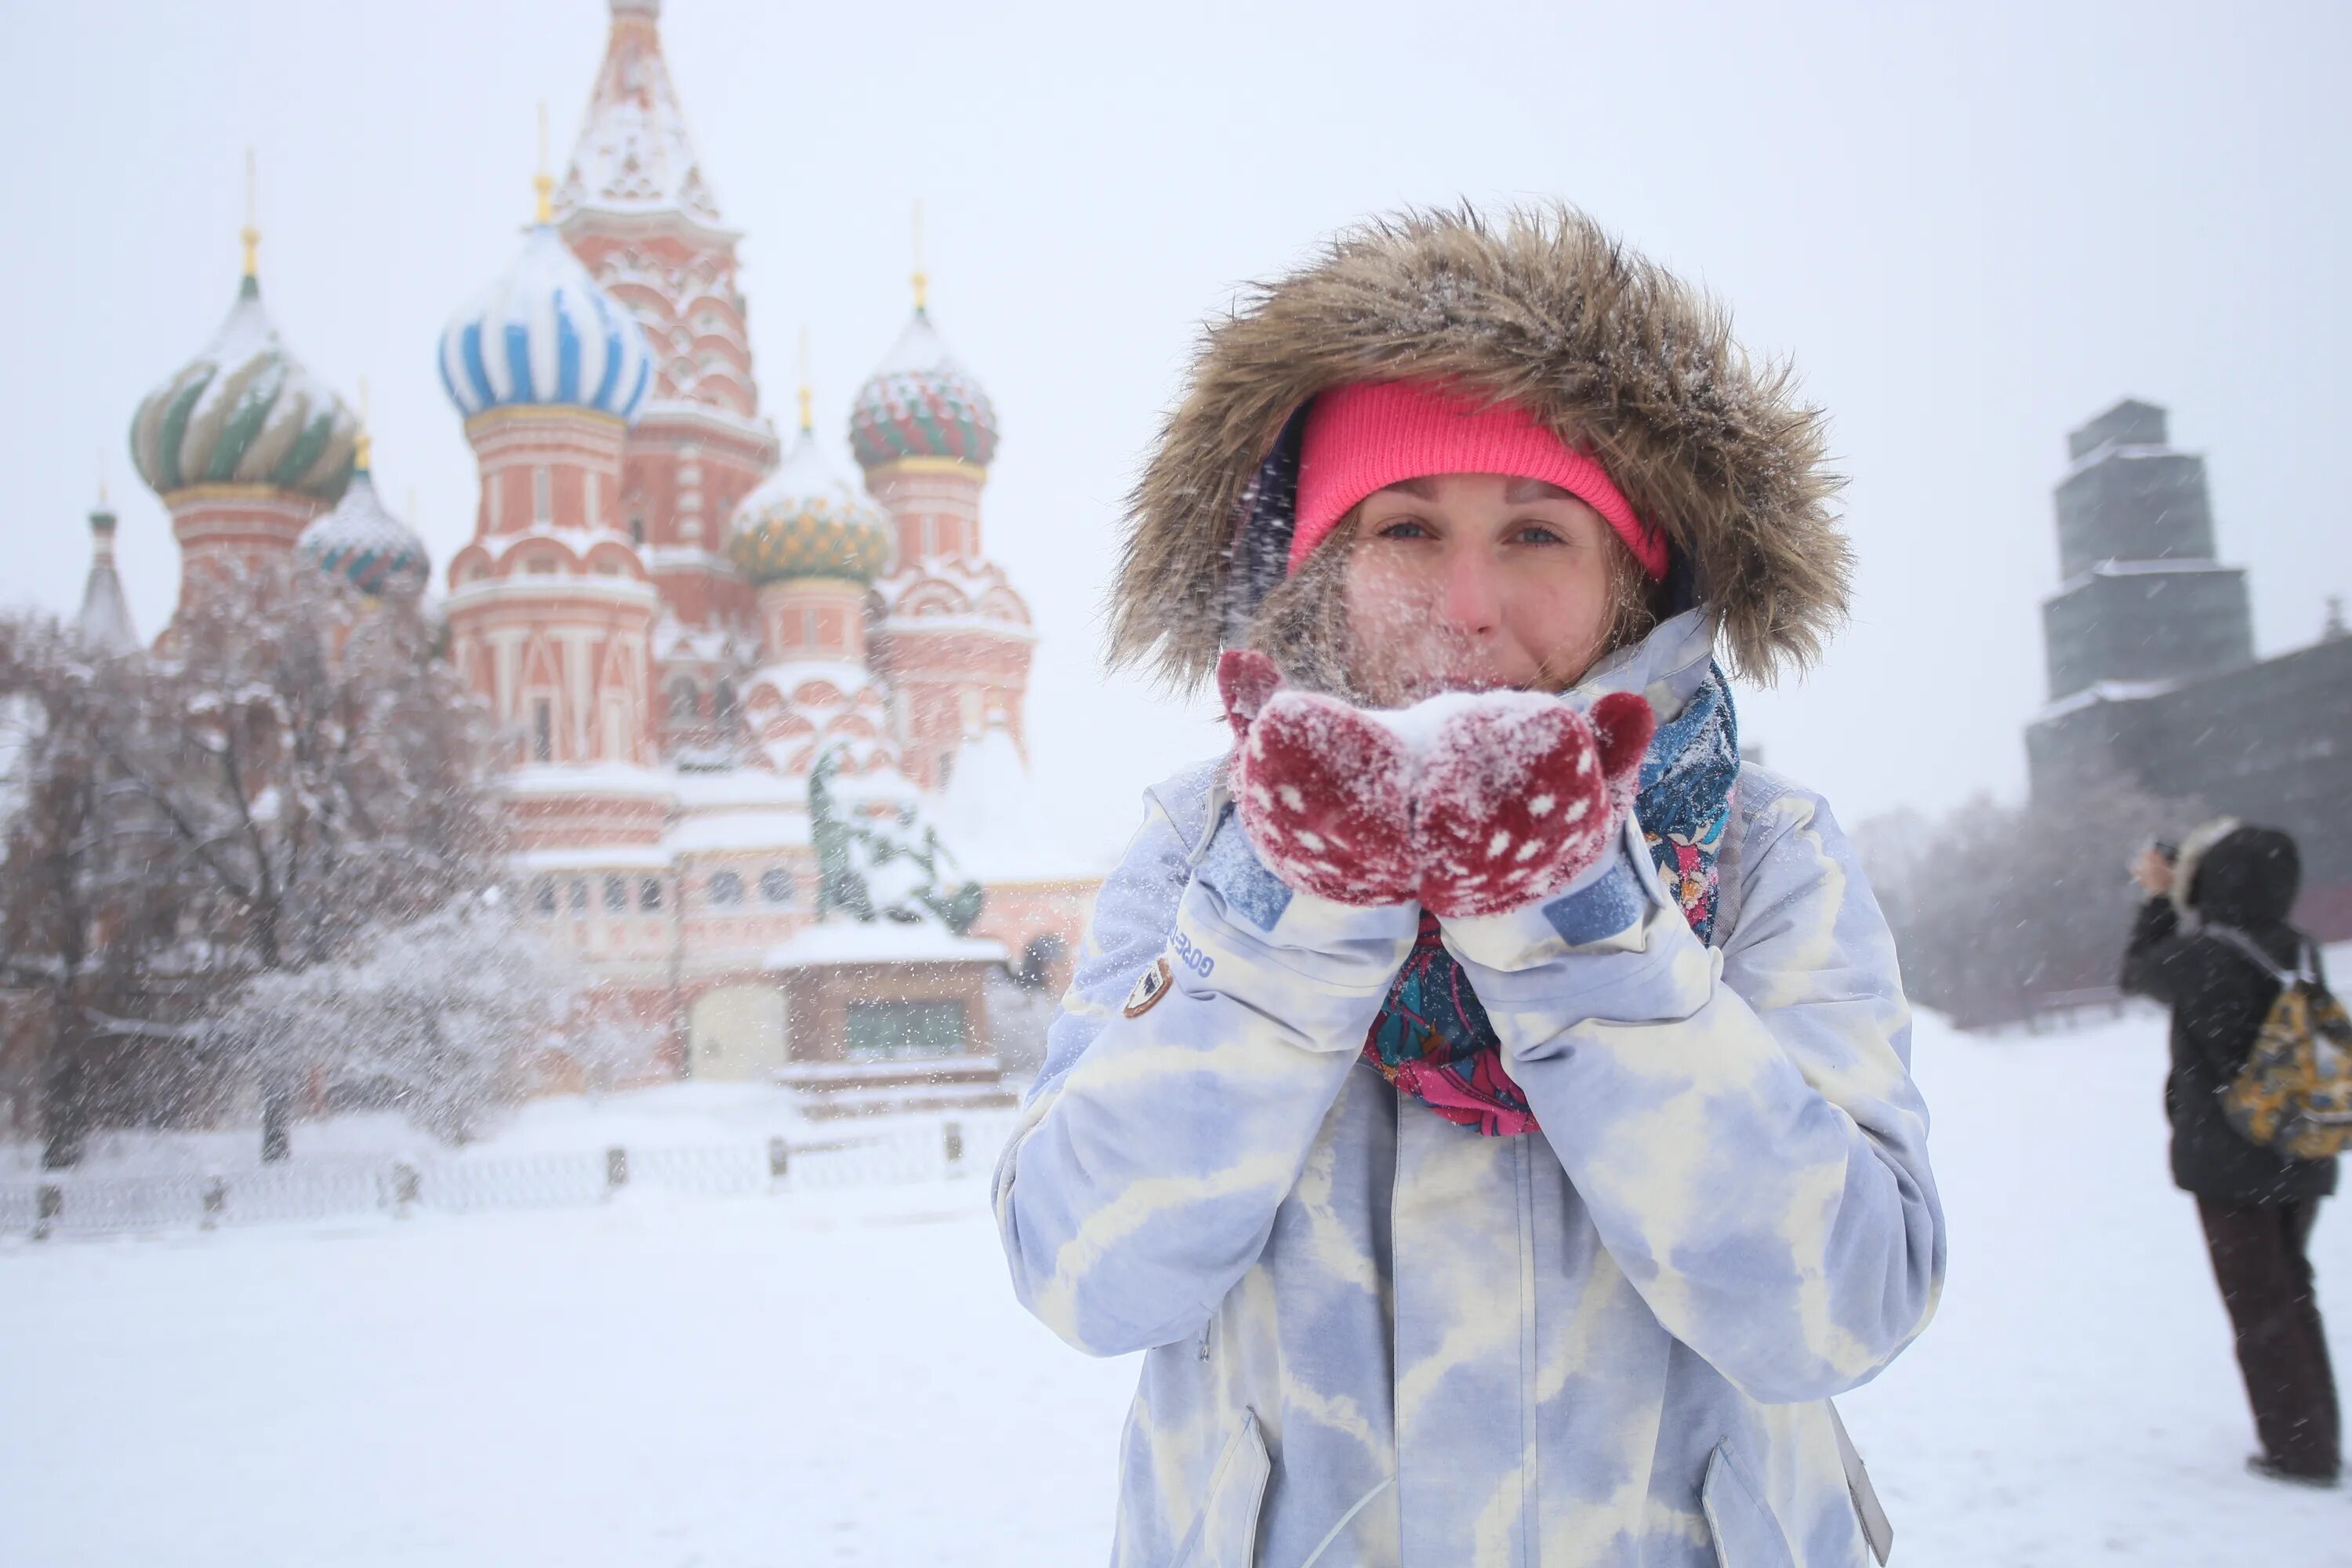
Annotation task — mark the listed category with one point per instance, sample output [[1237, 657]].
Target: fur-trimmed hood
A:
[[1540, 307]]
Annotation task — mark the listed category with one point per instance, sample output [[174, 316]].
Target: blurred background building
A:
[[2153, 677], [681, 619]]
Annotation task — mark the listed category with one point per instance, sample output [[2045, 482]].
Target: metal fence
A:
[[68, 1203]]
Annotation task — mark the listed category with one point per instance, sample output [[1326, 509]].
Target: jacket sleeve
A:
[[2152, 958], [1208, 1031], [1741, 1125]]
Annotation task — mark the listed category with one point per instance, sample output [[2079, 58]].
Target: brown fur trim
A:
[[1536, 306]]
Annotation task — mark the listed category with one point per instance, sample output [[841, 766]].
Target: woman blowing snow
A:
[[1486, 1097]]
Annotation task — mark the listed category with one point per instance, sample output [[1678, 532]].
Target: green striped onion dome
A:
[[801, 522], [242, 411], [921, 404], [361, 544]]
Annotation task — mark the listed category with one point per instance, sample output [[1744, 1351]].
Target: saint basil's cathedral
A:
[[680, 622]]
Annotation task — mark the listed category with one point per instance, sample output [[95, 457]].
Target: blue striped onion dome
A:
[[243, 412], [921, 404], [362, 545], [546, 333], [804, 521]]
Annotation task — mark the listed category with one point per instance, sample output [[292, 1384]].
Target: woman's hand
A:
[[1515, 805], [1506, 804], [1324, 793]]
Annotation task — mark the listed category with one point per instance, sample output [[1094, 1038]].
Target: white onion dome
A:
[[245, 412], [546, 333], [360, 544], [921, 403], [804, 521]]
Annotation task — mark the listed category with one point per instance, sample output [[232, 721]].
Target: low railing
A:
[[69, 1203]]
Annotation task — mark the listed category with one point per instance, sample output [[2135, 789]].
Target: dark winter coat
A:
[[2247, 878]]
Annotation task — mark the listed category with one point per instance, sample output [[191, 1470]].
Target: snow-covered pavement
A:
[[830, 1377]]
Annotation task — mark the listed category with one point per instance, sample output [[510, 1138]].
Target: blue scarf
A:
[[1433, 1038]]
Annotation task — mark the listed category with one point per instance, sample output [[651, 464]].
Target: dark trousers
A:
[[2265, 1277]]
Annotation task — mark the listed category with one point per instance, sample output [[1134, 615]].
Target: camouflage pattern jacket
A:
[[1609, 1343]]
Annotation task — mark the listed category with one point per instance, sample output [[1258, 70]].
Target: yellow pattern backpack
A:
[[2293, 1095]]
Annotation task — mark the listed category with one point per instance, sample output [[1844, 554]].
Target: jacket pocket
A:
[[1746, 1533], [1224, 1533]]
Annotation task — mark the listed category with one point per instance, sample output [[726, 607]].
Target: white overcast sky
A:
[[1972, 225]]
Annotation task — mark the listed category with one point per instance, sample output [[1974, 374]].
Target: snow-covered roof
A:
[[920, 402], [881, 941], [1000, 826], [719, 789], [362, 543], [882, 786], [739, 808], [726, 831], [546, 333], [2163, 565], [244, 411], [919, 348], [2103, 691], [634, 155], [789, 675], [589, 778], [591, 857], [2114, 451]]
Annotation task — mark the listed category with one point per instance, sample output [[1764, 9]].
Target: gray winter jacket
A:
[[1611, 1344]]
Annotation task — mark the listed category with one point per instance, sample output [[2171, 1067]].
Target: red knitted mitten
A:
[[1516, 802], [1325, 793]]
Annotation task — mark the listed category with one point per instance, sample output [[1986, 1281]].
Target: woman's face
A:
[[1467, 582]]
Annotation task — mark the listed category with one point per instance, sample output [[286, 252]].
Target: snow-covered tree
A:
[[290, 768], [319, 768], [438, 1017], [89, 915], [1998, 910]]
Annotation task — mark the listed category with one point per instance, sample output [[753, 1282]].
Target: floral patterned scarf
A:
[[1433, 1039]]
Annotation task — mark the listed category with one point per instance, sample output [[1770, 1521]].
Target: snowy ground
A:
[[666, 1116], [843, 1377]]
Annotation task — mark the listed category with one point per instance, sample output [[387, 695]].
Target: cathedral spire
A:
[[251, 233], [634, 156], [922, 278], [104, 624], [542, 182], [808, 391]]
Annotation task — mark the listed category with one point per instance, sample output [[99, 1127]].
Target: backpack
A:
[[2293, 1095]]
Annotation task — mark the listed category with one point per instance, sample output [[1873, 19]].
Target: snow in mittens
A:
[[1471, 803]]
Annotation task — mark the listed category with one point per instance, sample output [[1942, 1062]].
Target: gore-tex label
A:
[[1193, 959]]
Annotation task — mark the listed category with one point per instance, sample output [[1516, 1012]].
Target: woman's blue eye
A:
[[1405, 528], [1536, 534]]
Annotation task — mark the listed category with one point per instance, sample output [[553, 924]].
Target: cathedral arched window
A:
[[776, 885], [726, 888], [649, 893], [616, 894], [683, 702]]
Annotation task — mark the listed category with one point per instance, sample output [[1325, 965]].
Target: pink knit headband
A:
[[1370, 435]]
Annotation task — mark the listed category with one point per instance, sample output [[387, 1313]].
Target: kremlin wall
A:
[[674, 613]]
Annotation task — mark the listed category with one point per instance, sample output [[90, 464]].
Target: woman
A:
[[2234, 884], [1462, 1231]]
